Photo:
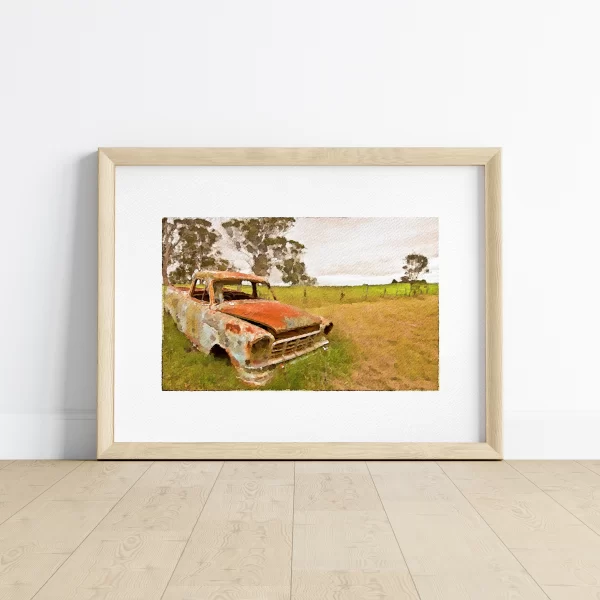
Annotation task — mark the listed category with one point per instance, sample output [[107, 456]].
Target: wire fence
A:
[[320, 295]]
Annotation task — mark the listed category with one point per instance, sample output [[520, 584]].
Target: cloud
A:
[[351, 251], [365, 247]]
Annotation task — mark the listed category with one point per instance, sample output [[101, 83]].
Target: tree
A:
[[394, 281], [264, 243], [415, 264], [292, 267], [168, 231], [189, 244]]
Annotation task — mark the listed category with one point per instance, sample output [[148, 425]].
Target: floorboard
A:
[[556, 547], [39, 538], [306, 530], [23, 481], [450, 550], [571, 484], [242, 543], [593, 465], [133, 551], [344, 545]]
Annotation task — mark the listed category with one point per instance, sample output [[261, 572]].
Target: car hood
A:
[[271, 314]]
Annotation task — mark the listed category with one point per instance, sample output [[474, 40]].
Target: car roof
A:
[[226, 275]]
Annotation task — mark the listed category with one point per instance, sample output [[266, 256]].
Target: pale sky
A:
[[353, 251]]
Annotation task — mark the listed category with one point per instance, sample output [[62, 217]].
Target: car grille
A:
[[294, 346]]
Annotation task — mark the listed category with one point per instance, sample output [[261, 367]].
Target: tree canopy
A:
[[193, 243], [189, 244], [263, 241], [414, 265]]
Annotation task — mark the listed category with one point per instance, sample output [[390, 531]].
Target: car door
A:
[[196, 312]]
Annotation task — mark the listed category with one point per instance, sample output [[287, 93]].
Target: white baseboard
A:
[[67, 434], [552, 435], [527, 434]]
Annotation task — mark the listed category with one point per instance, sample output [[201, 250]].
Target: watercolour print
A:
[[310, 303]]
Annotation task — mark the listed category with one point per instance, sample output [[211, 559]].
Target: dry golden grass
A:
[[388, 342], [395, 344]]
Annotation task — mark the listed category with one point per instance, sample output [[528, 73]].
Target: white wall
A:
[[518, 74]]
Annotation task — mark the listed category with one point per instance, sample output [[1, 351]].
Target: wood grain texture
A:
[[38, 539], [300, 156], [331, 467], [110, 158], [344, 546], [449, 549], [555, 547], [242, 543], [174, 530], [592, 465], [493, 303], [133, 551], [23, 481], [312, 451], [571, 484], [106, 302], [568, 592]]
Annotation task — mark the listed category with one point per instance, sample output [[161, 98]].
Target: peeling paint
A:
[[276, 316], [256, 334], [234, 327]]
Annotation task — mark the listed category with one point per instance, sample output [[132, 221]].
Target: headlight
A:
[[261, 349]]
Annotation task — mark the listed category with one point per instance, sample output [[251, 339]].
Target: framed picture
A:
[[299, 303]]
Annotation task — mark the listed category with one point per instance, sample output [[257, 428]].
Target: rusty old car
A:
[[238, 315]]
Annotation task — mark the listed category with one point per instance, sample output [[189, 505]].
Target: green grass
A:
[[384, 338], [324, 295], [185, 368]]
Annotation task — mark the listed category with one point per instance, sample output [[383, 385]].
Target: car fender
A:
[[234, 335]]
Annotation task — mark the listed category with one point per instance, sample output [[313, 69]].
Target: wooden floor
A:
[[304, 530]]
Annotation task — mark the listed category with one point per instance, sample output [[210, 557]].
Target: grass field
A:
[[383, 339], [310, 297]]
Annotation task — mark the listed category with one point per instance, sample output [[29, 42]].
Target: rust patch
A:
[[272, 314], [223, 275], [233, 327], [257, 335]]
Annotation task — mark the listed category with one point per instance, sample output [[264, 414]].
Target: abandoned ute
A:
[[236, 313]]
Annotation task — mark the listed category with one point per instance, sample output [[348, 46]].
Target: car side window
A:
[[218, 292], [200, 290], [262, 291]]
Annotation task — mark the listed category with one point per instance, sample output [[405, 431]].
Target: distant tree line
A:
[[190, 244]]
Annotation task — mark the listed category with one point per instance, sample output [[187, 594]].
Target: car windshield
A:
[[241, 289]]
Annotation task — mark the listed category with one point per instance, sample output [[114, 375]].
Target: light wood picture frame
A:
[[110, 158]]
